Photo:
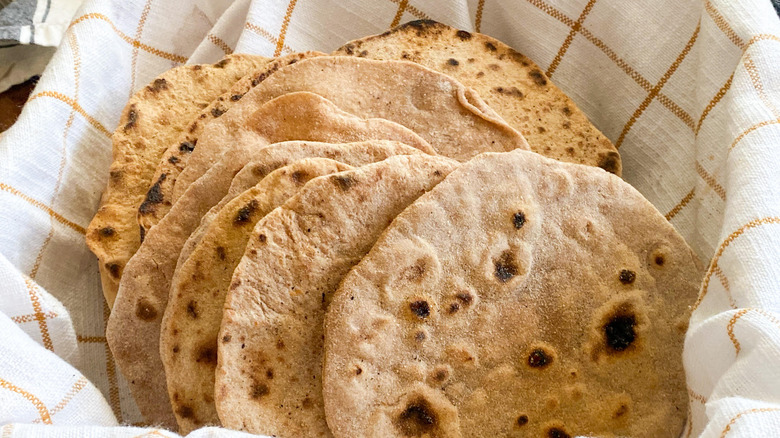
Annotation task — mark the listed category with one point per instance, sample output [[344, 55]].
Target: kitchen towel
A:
[[688, 90]]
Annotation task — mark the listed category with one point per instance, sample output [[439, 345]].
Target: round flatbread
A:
[[190, 326], [158, 199], [153, 118], [510, 83], [356, 154], [188, 341], [451, 117], [133, 329], [522, 296], [270, 345]]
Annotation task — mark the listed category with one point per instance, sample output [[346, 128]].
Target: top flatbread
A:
[[133, 330], [194, 312], [509, 82], [452, 118], [268, 377], [153, 118], [522, 296], [158, 199]]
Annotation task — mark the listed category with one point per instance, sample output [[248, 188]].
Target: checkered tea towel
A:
[[689, 90]]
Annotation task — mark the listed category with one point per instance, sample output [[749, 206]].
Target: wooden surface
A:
[[12, 101]]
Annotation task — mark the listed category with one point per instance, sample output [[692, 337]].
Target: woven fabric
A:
[[687, 89]]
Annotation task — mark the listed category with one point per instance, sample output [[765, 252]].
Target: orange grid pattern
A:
[[7, 430], [132, 41], [575, 27], [680, 205], [723, 25], [711, 181], [77, 76], [23, 319], [138, 30], [727, 85], [268, 36], [219, 42], [43, 412], [285, 25], [714, 263], [478, 17], [43, 326], [758, 84], [657, 88], [714, 101], [75, 389], [696, 396], [91, 339], [751, 129], [399, 13], [420, 15], [724, 281], [75, 105], [740, 314], [727, 429], [730, 329], [40, 205], [622, 64], [676, 110]]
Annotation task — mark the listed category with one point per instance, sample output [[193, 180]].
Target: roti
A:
[[133, 330], [158, 199], [449, 116], [521, 296], [190, 326], [351, 153], [188, 341], [152, 119], [510, 83], [270, 344]]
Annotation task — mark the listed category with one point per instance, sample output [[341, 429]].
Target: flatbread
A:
[[515, 87], [190, 326], [152, 119], [270, 345], [452, 118], [158, 199], [350, 153], [522, 296], [188, 341], [133, 330]]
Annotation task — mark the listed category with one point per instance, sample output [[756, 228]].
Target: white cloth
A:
[[687, 88]]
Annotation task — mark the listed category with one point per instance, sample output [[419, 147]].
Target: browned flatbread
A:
[[133, 330], [152, 119], [158, 200], [451, 117], [190, 326], [509, 82], [522, 296], [350, 153], [268, 377]]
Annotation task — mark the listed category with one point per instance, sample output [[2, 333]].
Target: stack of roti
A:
[[417, 235]]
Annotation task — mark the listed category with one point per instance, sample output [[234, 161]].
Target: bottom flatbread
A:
[[270, 345], [520, 297]]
